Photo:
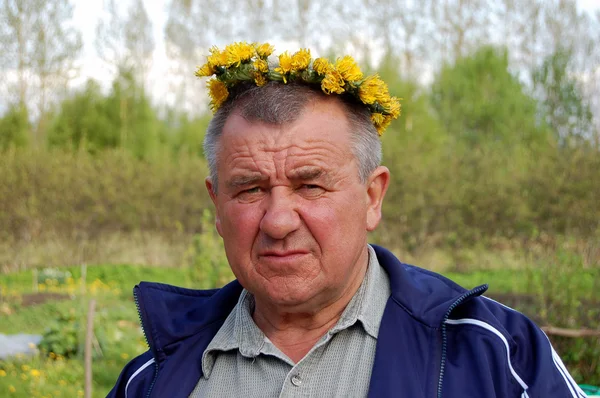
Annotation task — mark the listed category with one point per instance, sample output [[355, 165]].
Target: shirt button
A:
[[296, 380]]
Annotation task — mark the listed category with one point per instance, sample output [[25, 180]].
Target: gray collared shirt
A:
[[241, 361]]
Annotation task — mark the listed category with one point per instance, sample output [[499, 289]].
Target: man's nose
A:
[[281, 217]]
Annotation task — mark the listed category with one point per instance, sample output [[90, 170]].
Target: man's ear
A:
[[213, 196], [377, 186]]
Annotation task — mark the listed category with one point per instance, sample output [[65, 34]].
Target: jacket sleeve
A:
[[535, 360], [136, 378]]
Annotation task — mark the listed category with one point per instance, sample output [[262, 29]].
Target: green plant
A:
[[61, 338], [207, 265]]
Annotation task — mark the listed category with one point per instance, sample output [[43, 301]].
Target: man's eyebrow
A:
[[245, 180], [307, 174]]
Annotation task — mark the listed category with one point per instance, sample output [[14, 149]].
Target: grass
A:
[[116, 328], [119, 337]]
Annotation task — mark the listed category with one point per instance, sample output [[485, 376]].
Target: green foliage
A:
[[562, 105], [567, 294], [14, 128], [207, 263], [94, 122], [480, 102], [83, 122], [77, 194], [62, 337], [187, 134]]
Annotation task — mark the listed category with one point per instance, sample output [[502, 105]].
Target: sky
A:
[[86, 16]]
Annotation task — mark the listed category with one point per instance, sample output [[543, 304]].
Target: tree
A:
[[14, 127], [40, 46], [126, 42], [478, 100], [122, 119], [562, 105], [82, 121]]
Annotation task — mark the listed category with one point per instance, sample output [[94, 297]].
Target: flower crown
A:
[[242, 62]]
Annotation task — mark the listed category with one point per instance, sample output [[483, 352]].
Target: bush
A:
[[61, 338]]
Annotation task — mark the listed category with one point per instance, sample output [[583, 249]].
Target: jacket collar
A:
[[170, 314]]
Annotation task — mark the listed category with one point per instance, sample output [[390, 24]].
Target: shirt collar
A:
[[240, 332]]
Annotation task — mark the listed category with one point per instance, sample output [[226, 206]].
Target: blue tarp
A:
[[14, 344]]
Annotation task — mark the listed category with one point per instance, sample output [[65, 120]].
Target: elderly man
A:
[[297, 184]]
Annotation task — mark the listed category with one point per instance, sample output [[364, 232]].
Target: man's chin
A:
[[286, 295]]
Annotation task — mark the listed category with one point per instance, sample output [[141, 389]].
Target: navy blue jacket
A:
[[436, 339]]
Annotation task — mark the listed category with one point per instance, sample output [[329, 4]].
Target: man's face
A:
[[291, 208]]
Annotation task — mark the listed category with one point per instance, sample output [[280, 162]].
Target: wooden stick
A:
[[89, 333], [553, 330]]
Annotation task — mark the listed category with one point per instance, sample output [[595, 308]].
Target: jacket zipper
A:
[[478, 290], [137, 305]]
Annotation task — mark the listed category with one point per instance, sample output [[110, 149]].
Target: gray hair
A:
[[277, 103]]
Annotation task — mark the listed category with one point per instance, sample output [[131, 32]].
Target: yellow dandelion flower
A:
[[2, 373], [301, 59], [218, 93], [381, 122], [12, 389], [285, 63], [322, 66], [348, 69], [205, 70], [35, 373], [239, 52], [394, 108], [217, 57], [260, 81], [333, 82], [371, 89], [264, 50], [261, 65], [377, 118], [391, 105], [25, 368]]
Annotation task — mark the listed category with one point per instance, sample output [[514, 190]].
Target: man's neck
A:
[[295, 333]]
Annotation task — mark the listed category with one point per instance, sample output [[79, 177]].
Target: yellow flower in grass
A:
[[2, 373], [301, 59], [285, 65], [205, 70], [12, 389], [260, 80], [371, 89], [261, 65], [333, 82], [35, 373], [217, 57], [348, 69], [264, 50], [218, 93], [322, 66], [239, 52]]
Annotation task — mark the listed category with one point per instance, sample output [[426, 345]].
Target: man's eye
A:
[[252, 190], [311, 190]]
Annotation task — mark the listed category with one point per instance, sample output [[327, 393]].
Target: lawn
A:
[[60, 304]]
